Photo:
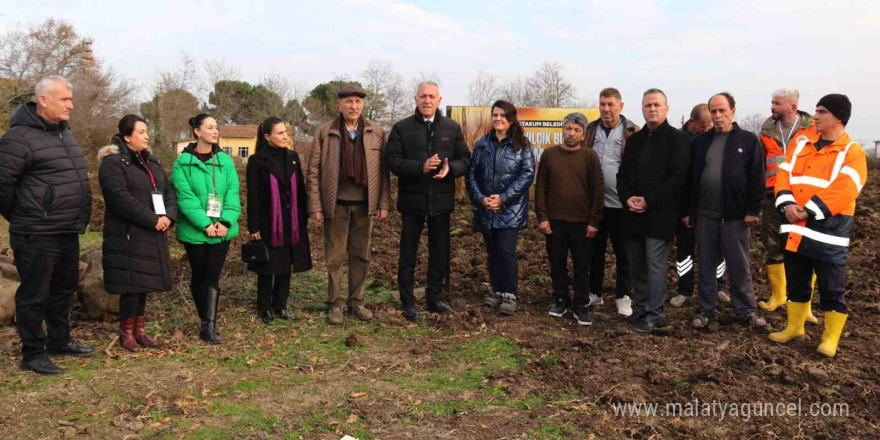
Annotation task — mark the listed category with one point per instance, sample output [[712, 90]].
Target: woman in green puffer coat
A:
[[207, 198]]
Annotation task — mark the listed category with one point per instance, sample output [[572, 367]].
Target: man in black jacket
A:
[[45, 196], [728, 178], [685, 240], [426, 152], [649, 181]]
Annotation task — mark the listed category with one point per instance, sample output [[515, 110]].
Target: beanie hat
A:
[[838, 105]]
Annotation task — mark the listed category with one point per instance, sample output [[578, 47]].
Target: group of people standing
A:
[[641, 188]]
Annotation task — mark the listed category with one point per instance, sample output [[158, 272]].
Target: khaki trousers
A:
[[347, 233]]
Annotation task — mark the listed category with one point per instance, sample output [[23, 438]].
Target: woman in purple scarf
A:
[[277, 215]]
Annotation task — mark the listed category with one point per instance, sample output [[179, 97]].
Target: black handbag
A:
[[254, 251]]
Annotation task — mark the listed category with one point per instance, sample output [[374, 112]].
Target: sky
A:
[[689, 49]]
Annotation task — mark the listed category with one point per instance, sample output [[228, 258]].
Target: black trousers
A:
[[438, 254], [686, 263], [48, 268], [610, 227], [569, 237], [503, 266], [206, 262], [830, 279], [272, 291], [132, 305]]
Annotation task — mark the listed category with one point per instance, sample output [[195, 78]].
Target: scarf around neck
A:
[[354, 162], [277, 217]]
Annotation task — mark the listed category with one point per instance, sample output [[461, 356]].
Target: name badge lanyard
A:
[[785, 140], [214, 202], [158, 201]]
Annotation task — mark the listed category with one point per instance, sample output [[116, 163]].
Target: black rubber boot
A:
[[207, 332]]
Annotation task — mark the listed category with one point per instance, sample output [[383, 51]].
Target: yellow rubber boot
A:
[[776, 275], [834, 322], [797, 314], [812, 319]]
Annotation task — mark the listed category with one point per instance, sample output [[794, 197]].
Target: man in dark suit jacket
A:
[[426, 152], [649, 181]]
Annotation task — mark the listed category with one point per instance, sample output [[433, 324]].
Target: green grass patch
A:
[[328, 420], [464, 366], [529, 401], [90, 240], [552, 430], [249, 385], [265, 424], [209, 434], [235, 409], [448, 408]]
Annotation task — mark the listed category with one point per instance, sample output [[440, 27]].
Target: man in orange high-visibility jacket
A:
[[816, 189], [785, 124]]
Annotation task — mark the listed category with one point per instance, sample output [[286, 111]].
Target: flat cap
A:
[[351, 91]]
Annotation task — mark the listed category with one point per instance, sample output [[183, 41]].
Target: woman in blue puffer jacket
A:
[[501, 171]]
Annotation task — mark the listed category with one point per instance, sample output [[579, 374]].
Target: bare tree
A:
[[581, 102], [55, 48], [102, 98], [550, 85], [220, 69], [296, 112], [377, 79], [277, 84], [484, 89], [51, 48], [399, 103], [217, 70], [184, 77], [520, 93], [173, 102], [423, 77], [752, 122]]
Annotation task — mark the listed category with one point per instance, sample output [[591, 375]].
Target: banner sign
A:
[[542, 126]]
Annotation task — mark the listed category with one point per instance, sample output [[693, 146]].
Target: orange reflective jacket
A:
[[771, 137], [826, 183]]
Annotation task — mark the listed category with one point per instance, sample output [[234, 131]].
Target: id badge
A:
[[215, 205], [158, 203]]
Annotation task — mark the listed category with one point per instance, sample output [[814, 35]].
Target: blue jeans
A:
[[503, 266]]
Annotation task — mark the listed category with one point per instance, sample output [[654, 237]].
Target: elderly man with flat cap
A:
[[348, 186]]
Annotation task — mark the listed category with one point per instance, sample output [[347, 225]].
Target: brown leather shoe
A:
[[335, 316], [361, 312]]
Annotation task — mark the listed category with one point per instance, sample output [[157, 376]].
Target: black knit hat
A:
[[838, 105]]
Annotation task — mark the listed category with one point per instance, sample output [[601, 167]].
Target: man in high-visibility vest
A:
[[785, 124], [816, 189]]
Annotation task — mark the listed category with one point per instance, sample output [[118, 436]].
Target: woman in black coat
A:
[[140, 206], [274, 185]]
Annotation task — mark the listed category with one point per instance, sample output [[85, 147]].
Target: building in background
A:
[[238, 141]]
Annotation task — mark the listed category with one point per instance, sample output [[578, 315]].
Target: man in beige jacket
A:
[[348, 186]]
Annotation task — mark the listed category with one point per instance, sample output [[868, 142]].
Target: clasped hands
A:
[[216, 229], [163, 223], [795, 213], [493, 203], [637, 204]]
